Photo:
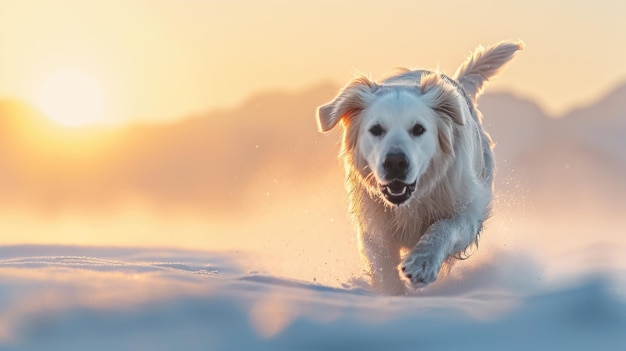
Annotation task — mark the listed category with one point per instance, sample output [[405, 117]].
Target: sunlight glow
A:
[[71, 98]]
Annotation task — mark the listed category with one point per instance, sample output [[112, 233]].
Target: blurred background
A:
[[192, 124]]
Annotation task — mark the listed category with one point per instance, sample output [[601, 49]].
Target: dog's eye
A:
[[377, 130], [418, 130]]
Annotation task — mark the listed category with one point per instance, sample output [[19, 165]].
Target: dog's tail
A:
[[483, 65]]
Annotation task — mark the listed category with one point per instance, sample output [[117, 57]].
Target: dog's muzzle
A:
[[397, 192], [396, 166]]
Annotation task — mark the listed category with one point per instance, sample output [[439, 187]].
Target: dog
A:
[[419, 166]]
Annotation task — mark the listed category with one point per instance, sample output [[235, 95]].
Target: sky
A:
[[118, 61]]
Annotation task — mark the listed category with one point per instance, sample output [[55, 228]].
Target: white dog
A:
[[419, 166]]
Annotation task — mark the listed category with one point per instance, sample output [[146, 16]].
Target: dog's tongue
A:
[[396, 188]]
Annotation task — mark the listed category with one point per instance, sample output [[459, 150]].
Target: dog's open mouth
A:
[[397, 191]]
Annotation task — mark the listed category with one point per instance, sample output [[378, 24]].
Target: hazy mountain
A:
[[213, 162], [207, 161], [514, 124], [602, 125]]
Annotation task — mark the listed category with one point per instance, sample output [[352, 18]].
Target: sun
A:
[[71, 98]]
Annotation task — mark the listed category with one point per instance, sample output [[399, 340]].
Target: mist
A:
[[260, 179]]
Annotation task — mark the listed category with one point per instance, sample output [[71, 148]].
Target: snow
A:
[[107, 298]]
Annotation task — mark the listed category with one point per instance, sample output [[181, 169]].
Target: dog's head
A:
[[395, 131]]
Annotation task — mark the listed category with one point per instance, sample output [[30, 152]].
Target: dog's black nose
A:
[[396, 165]]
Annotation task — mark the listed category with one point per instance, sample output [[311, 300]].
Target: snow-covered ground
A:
[[94, 298]]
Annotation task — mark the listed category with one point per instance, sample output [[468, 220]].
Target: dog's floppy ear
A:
[[442, 97], [446, 102], [351, 100]]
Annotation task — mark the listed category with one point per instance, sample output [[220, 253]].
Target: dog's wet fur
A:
[[419, 166]]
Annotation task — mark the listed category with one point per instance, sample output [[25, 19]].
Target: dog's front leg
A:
[[443, 238], [382, 257]]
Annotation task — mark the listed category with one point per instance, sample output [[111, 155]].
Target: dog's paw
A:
[[421, 267]]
